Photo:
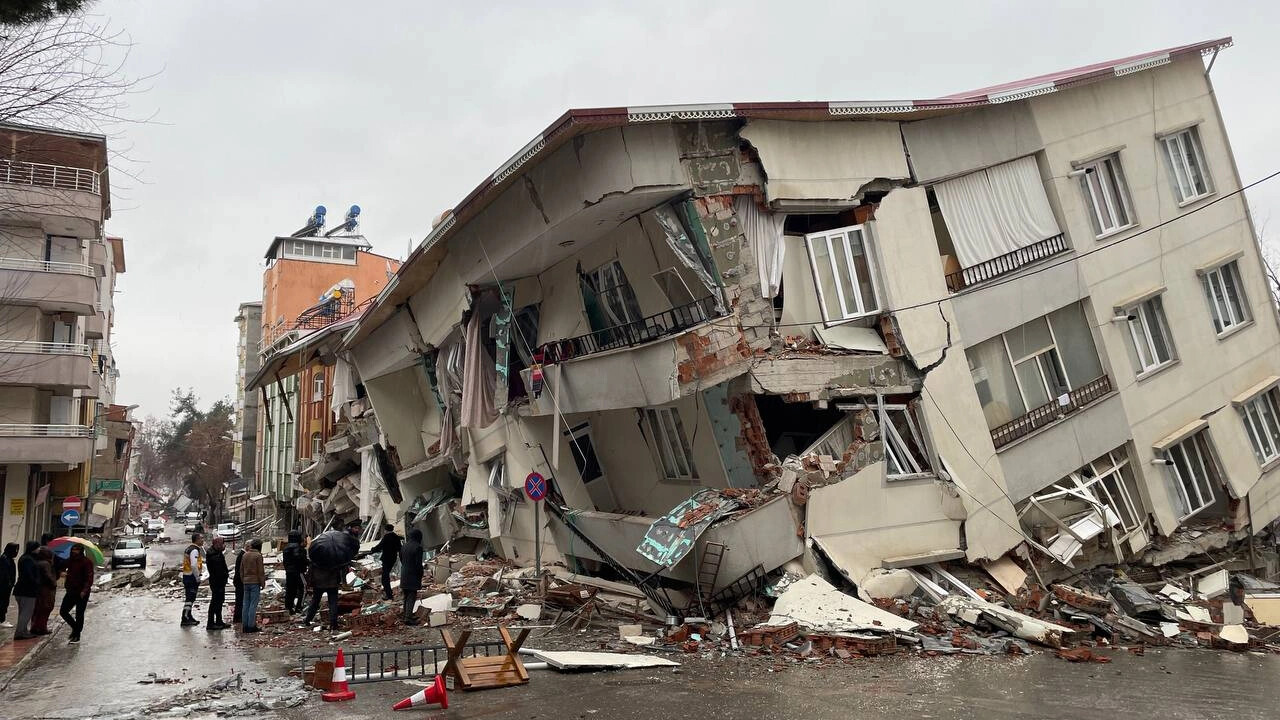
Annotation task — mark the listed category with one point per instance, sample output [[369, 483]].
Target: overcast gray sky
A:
[[265, 109]]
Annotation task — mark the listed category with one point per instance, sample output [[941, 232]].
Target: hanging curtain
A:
[[449, 445], [478, 378], [764, 232], [344, 388], [685, 248], [994, 212]]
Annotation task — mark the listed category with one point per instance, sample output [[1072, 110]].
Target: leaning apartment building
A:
[[60, 434], [1028, 318]]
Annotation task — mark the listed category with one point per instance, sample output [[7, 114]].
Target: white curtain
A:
[[995, 211], [344, 388], [764, 232], [478, 379]]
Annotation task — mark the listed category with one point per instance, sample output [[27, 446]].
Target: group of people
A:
[[248, 576], [33, 580]]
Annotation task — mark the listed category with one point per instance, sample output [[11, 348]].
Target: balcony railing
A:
[[43, 348], [1007, 263], [57, 177], [65, 268], [34, 430], [1051, 411], [641, 331]]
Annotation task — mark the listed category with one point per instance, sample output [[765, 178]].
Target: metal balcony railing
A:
[[56, 177], [43, 348], [36, 430], [1051, 411], [1007, 263], [668, 322], [46, 266]]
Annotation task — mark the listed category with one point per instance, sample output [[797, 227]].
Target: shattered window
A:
[[843, 272], [904, 445], [1093, 500], [497, 470], [666, 433], [617, 300], [1261, 416], [1194, 473]]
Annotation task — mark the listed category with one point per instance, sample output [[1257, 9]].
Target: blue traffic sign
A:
[[535, 486], [70, 517]]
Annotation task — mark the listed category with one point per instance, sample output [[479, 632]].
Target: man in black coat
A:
[[295, 569], [389, 546], [26, 590], [411, 573], [216, 563], [8, 578]]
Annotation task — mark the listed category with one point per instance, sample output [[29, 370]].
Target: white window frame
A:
[[317, 445], [1196, 454], [1049, 353], [1109, 197], [317, 386], [841, 235], [674, 455], [609, 279], [1145, 314], [1261, 429], [1176, 156], [496, 472], [1226, 316], [900, 462]]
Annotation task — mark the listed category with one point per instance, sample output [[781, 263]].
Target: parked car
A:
[[228, 531], [189, 526], [155, 524], [129, 551]]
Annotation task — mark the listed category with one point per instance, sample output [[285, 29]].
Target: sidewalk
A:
[[17, 654]]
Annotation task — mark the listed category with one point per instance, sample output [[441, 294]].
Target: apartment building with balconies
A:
[[1028, 315], [56, 278]]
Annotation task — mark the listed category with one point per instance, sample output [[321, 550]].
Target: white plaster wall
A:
[[20, 322], [912, 275], [401, 410], [24, 243], [19, 405]]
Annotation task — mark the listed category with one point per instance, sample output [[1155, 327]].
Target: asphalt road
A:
[[130, 636]]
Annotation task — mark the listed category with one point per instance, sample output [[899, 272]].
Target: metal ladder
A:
[[709, 568]]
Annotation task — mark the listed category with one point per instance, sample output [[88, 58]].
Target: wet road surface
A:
[[129, 636]]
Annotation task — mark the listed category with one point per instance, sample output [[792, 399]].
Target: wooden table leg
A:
[[454, 662], [513, 650]]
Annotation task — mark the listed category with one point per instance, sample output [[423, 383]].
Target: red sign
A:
[[71, 503]]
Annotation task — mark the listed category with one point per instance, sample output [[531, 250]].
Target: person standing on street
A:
[[322, 581], [295, 569], [237, 586], [48, 589], [254, 575], [8, 578], [76, 596], [216, 561], [192, 564], [26, 590], [411, 573], [389, 546]]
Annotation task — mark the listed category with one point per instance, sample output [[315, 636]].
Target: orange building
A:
[[311, 281]]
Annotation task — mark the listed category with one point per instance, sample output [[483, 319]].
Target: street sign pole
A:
[[535, 487]]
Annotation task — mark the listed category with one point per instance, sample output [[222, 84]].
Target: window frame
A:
[[317, 387], [1175, 160], [1228, 272], [865, 237], [896, 449], [1201, 443], [1050, 353], [575, 435], [665, 425], [612, 269], [1255, 425], [1113, 197], [317, 445], [1140, 330]]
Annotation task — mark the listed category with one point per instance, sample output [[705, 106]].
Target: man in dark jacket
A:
[[237, 585], [45, 599], [325, 580], [8, 577], [27, 589], [411, 573], [295, 569], [216, 562], [79, 583], [389, 546]]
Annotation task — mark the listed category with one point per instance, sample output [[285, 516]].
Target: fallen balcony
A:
[[1007, 263], [1051, 411]]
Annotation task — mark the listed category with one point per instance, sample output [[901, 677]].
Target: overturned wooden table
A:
[[488, 671]]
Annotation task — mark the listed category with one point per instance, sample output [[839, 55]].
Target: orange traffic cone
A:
[[430, 695], [338, 690]]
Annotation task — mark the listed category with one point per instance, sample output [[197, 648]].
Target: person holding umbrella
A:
[[79, 583], [331, 552]]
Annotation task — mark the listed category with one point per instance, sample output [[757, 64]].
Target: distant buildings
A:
[[59, 430], [244, 455]]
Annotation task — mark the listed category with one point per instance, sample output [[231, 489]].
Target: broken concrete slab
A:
[[1023, 626], [816, 604], [570, 660], [1213, 584], [530, 611], [1007, 574]]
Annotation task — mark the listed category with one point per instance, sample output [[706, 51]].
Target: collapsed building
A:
[[867, 336]]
